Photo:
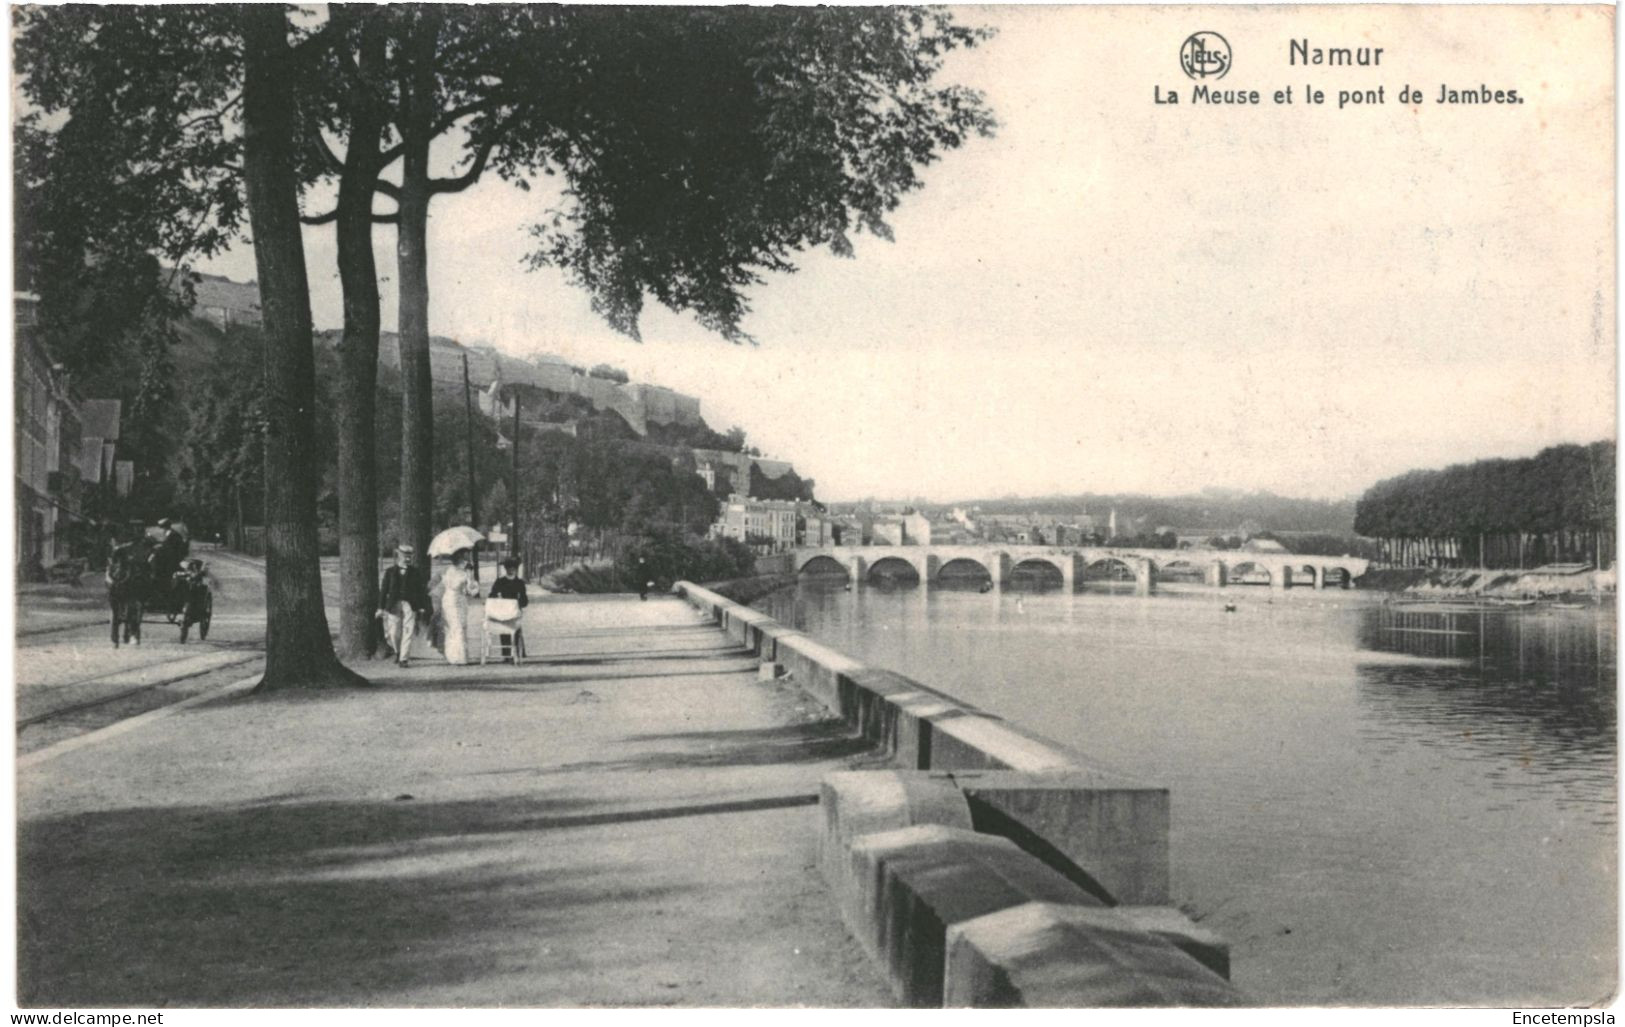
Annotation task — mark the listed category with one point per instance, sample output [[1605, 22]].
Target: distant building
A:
[[50, 451], [907, 529], [225, 302], [758, 520], [817, 530], [916, 529], [499, 377], [885, 530], [1264, 545]]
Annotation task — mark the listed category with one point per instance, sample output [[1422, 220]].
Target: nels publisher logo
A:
[[1205, 55]]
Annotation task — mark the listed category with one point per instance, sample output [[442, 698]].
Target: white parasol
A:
[[453, 539]]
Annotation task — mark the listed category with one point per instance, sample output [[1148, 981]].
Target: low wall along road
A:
[[991, 867]]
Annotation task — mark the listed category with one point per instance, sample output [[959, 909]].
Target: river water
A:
[[1375, 805]]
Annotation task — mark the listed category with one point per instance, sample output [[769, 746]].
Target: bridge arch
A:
[[821, 566], [1180, 569], [1307, 574], [1108, 568], [1337, 576], [964, 571], [893, 571], [1250, 572], [1037, 572]]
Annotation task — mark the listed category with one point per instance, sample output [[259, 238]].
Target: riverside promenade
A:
[[628, 820]]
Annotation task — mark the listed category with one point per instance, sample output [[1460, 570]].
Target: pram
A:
[[502, 617]]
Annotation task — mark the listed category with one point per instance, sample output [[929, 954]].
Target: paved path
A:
[[626, 821]]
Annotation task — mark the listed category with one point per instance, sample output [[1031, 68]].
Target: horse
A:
[[129, 578]]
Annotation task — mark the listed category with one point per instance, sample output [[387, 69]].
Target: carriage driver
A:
[[171, 551]]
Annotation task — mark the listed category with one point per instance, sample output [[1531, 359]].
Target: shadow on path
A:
[[310, 903]]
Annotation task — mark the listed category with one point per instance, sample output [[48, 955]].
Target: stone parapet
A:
[[980, 818]]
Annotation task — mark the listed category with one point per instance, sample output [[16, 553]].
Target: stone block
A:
[[1112, 828], [817, 668], [1173, 926], [893, 712], [770, 634], [1065, 956], [856, 803], [916, 883], [984, 742]]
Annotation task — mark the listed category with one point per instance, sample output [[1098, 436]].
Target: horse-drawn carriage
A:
[[140, 581]]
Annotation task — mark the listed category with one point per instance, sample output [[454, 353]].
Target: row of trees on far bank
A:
[[696, 149], [1555, 506]]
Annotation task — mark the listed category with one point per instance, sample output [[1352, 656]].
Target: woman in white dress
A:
[[457, 586]]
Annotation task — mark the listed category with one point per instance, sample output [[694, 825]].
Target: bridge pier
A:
[[1319, 575], [1069, 573], [998, 568], [1281, 580], [1143, 577], [1215, 575], [855, 570]]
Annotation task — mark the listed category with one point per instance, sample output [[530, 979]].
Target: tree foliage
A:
[[1563, 488], [611, 486], [219, 456], [123, 172], [702, 148], [787, 486]]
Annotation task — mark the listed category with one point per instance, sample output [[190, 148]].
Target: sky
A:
[[1115, 295]]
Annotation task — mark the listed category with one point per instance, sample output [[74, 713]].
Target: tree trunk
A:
[[412, 258], [473, 477], [298, 649], [358, 367]]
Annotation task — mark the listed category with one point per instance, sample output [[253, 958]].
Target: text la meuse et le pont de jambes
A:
[[1303, 52]]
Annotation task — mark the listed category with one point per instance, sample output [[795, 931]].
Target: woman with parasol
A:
[[457, 586]]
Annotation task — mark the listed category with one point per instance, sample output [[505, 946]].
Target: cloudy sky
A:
[[1116, 295]]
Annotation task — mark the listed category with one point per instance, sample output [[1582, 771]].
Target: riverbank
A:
[[1539, 583]]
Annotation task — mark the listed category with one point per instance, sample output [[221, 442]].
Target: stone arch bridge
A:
[[1217, 567]]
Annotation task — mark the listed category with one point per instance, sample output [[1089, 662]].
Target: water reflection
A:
[[1529, 692]]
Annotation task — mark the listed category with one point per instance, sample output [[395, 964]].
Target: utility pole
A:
[[513, 490], [473, 484]]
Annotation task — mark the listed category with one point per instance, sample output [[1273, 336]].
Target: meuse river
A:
[[1374, 804]]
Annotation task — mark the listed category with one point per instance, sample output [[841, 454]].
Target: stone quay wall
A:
[[991, 866]]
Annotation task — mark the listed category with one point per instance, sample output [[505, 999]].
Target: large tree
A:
[[356, 105], [298, 647]]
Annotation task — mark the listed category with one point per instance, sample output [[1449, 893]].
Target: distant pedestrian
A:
[[403, 597]]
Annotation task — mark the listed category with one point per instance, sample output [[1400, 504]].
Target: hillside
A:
[[1215, 509]]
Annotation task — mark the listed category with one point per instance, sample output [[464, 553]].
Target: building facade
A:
[[49, 446], [770, 522]]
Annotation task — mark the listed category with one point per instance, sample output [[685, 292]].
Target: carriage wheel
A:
[[203, 621], [174, 615]]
